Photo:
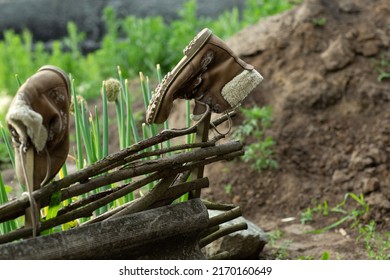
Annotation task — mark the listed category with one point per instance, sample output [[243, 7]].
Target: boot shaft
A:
[[38, 119]]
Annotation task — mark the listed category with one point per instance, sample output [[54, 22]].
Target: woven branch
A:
[[224, 217], [167, 198], [222, 232], [11, 209], [87, 210], [14, 208]]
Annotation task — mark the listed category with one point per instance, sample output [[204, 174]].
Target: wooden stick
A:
[[172, 149], [225, 216], [217, 206], [222, 232], [170, 194]]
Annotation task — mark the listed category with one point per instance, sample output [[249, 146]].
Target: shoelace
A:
[[28, 179], [229, 129]]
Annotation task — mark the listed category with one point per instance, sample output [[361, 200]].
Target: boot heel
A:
[[59, 71], [197, 43]]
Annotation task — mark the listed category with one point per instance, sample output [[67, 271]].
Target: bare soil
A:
[[331, 123]]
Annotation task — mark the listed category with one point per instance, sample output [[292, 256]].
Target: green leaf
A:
[[54, 205], [332, 226], [325, 256]]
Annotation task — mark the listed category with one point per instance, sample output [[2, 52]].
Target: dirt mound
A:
[[321, 65]]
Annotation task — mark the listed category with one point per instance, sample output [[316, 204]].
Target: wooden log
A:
[[152, 234]]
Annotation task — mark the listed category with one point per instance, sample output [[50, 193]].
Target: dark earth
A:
[[331, 123]]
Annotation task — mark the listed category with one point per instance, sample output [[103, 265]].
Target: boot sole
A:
[[189, 52], [59, 71]]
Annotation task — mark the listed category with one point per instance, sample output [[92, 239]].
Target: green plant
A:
[[228, 188], [282, 252], [256, 9], [273, 236], [132, 43], [259, 152], [11, 225], [383, 68], [325, 256], [306, 216], [319, 22], [348, 215], [377, 245]]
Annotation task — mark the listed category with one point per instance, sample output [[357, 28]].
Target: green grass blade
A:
[[105, 121], [96, 133], [18, 80], [8, 145], [85, 129], [7, 226], [131, 125], [144, 90], [54, 205], [63, 174], [119, 114], [77, 117], [327, 228], [159, 73], [119, 103]]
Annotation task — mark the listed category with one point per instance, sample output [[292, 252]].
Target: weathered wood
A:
[[222, 232], [128, 159], [13, 208], [168, 197], [178, 190], [151, 234], [176, 148], [218, 206], [87, 210], [7, 210], [225, 216]]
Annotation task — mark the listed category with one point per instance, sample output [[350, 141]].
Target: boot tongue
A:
[[27, 122]]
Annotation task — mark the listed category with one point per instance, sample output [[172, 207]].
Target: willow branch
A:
[[218, 206], [222, 232], [162, 151], [86, 211], [225, 216], [13, 208], [170, 194], [7, 210], [145, 201]]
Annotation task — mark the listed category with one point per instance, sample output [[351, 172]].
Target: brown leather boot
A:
[[38, 119], [210, 73]]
